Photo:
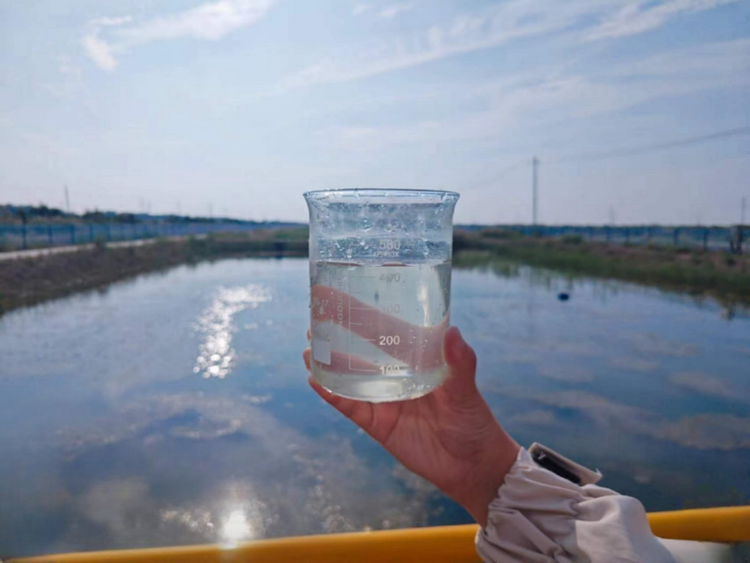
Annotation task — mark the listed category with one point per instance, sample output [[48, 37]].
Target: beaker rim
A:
[[427, 196]]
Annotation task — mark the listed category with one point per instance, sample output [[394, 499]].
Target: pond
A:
[[174, 408]]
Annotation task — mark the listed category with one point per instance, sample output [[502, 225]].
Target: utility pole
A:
[[534, 166], [210, 210], [742, 213], [67, 199]]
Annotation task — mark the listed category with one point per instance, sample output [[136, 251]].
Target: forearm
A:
[[486, 477]]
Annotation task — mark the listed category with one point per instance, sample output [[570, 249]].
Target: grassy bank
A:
[[722, 275], [26, 281]]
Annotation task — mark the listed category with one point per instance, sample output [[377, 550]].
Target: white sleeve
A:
[[541, 517]]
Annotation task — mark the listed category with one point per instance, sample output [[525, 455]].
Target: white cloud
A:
[[69, 81], [360, 9], [210, 21], [110, 22], [728, 59], [394, 10], [68, 69], [349, 133], [539, 99], [493, 27], [207, 21], [470, 32], [639, 17], [99, 51]]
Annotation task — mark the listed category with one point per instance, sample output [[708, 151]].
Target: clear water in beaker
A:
[[380, 268]]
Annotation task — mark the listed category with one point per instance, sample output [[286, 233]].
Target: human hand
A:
[[449, 436]]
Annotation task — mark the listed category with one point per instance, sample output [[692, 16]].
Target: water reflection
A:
[[709, 385], [653, 344], [710, 431], [216, 323], [109, 440], [569, 374], [602, 288], [198, 521], [632, 364], [264, 479]]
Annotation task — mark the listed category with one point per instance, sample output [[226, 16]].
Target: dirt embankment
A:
[[26, 281]]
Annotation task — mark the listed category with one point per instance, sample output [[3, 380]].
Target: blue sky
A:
[[243, 105]]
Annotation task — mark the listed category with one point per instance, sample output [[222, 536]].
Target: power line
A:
[[658, 146], [534, 166]]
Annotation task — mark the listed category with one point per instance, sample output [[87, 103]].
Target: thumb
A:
[[462, 362]]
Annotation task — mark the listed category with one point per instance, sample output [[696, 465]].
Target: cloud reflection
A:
[[568, 374], [216, 323], [244, 474], [634, 364], [706, 384], [709, 431], [198, 521], [706, 432], [654, 344]]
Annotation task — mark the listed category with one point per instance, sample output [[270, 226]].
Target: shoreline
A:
[[26, 281], [31, 280], [717, 274]]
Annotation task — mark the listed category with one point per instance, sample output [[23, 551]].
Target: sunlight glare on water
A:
[[236, 528], [216, 323]]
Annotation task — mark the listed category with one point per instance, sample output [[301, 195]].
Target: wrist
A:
[[488, 475]]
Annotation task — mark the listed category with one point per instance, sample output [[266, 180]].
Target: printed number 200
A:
[[390, 340]]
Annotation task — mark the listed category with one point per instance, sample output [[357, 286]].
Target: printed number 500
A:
[[390, 244]]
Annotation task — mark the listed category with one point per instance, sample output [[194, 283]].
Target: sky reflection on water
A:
[[174, 408]]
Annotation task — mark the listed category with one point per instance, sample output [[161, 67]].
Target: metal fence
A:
[[707, 238], [34, 235]]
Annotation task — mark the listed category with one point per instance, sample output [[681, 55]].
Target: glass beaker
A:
[[380, 271]]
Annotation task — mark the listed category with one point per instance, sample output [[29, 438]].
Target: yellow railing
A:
[[453, 544]]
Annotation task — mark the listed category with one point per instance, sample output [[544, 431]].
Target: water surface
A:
[[174, 408]]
